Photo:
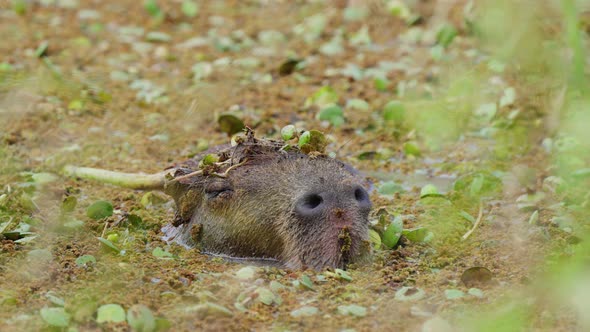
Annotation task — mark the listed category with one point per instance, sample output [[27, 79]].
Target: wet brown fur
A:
[[249, 212]]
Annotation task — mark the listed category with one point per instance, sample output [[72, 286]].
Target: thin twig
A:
[[477, 222], [224, 174], [104, 230], [186, 176]]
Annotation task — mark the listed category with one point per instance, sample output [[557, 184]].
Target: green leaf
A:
[[69, 204], [325, 96], [418, 234], [41, 49], [151, 199], [467, 216], [110, 313], [352, 310], [55, 316], [109, 244], [342, 275], [84, 260], [304, 138], [306, 281], [304, 311], [190, 8], [43, 178], [99, 210], [390, 188], [357, 104], [230, 124], [534, 218], [246, 273], [208, 160], [475, 292], [409, 294], [141, 318], [446, 35], [332, 114], [381, 83], [265, 295], [19, 7], [476, 185], [393, 232], [161, 253], [157, 37], [375, 239], [429, 190], [288, 132], [151, 6], [311, 141], [55, 299], [394, 111], [453, 294], [411, 149]]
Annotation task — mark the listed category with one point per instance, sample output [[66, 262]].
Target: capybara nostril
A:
[[310, 206]]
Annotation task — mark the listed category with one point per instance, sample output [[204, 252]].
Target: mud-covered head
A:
[[302, 211]]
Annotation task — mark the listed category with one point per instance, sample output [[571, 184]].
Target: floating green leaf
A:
[[357, 104], [325, 96], [352, 310], [265, 296], [343, 275], [332, 114], [375, 239], [69, 204], [246, 273], [409, 294], [161, 253], [230, 124], [394, 111], [390, 188], [312, 141], [446, 35], [288, 132], [190, 8], [304, 311], [43, 178], [55, 299], [109, 244], [475, 292], [418, 234], [467, 216], [429, 190], [158, 37], [110, 313], [85, 260], [208, 160], [393, 232], [99, 210], [412, 149], [306, 282], [57, 317], [141, 318], [453, 294]]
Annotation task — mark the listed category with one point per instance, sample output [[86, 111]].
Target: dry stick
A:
[[137, 181], [477, 222], [186, 176], [224, 174]]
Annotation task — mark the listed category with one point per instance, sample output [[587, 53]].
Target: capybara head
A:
[[297, 209]]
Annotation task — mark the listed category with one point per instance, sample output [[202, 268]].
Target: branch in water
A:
[[137, 181]]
